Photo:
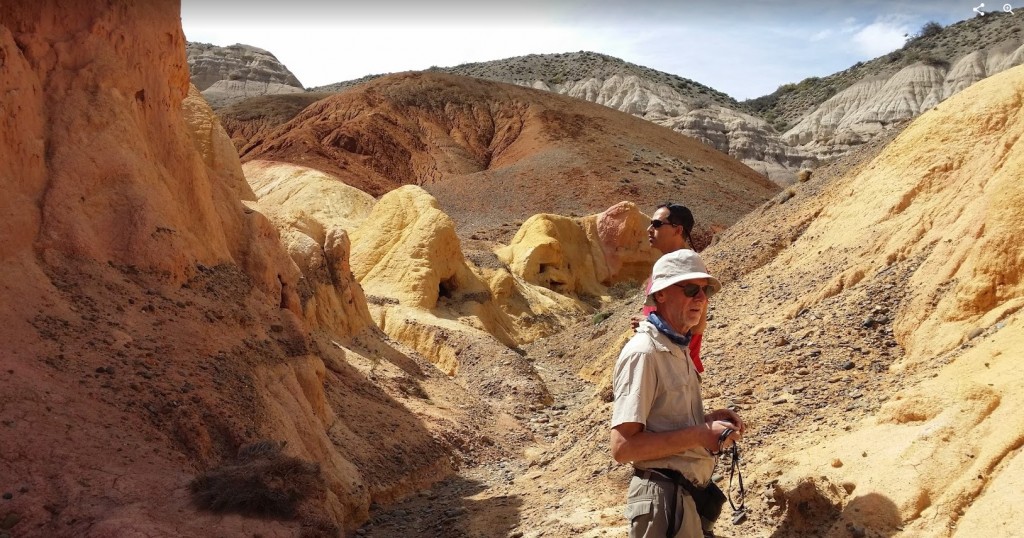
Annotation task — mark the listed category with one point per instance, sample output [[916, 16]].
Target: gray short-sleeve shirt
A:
[[655, 384]]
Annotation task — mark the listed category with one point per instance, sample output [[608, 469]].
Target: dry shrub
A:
[[625, 288], [804, 175], [260, 482]]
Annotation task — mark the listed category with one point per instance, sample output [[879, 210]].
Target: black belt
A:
[[708, 499], [670, 475]]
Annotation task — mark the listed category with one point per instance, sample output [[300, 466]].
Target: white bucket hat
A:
[[679, 266]]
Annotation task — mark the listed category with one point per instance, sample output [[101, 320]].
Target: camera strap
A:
[[739, 513]]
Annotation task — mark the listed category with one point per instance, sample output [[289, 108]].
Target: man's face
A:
[[666, 238], [680, 311]]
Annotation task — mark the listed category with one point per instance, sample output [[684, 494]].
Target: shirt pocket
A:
[[637, 508]]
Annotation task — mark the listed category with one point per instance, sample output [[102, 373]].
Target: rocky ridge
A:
[[828, 116], [227, 75], [798, 125], [680, 104]]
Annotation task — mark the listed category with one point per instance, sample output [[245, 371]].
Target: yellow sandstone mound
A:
[[313, 212], [407, 250], [553, 251], [582, 256], [423, 293]]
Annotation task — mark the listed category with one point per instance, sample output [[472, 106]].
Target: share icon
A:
[[978, 9]]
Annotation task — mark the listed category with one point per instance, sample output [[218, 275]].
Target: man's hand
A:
[[714, 443], [726, 415], [634, 322]]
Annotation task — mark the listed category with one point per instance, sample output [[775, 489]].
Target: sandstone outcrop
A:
[[423, 292], [553, 251], [313, 213], [226, 75], [582, 256], [154, 324], [621, 233], [213, 144]]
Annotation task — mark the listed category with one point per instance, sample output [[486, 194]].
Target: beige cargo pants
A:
[[649, 506]]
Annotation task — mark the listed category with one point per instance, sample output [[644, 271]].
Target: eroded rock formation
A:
[[493, 154], [154, 324], [226, 75], [863, 110], [423, 292], [740, 135], [582, 256]]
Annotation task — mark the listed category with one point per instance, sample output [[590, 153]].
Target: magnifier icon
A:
[[1008, 8]]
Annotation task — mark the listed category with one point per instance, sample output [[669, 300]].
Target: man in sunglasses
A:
[[669, 231], [658, 418]]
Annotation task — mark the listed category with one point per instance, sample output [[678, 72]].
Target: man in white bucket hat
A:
[[658, 419]]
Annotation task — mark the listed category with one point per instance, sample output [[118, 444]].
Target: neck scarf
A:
[[680, 339]]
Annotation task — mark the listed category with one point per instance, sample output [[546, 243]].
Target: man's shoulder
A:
[[643, 342]]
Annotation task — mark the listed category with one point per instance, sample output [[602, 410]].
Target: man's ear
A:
[[659, 296]]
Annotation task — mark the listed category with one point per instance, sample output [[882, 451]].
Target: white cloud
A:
[[880, 37]]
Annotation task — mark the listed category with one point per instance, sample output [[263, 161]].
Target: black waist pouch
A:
[[709, 499]]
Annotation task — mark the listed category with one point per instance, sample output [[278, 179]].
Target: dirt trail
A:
[[506, 493]]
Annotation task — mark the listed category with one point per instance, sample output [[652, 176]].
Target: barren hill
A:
[[669, 100], [796, 126], [494, 154], [226, 75]]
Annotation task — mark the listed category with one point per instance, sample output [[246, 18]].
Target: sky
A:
[[743, 48]]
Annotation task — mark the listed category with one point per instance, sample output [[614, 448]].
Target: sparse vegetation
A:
[[702, 101], [930, 28], [621, 290], [600, 316], [260, 482], [803, 176]]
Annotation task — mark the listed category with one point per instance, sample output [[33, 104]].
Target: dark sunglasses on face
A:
[[655, 223], [691, 290]]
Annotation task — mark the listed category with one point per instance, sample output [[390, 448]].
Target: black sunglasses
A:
[[655, 223], [691, 290]]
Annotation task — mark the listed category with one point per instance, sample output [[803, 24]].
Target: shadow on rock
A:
[[815, 508]]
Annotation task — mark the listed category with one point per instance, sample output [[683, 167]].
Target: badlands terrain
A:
[[797, 126], [392, 311]]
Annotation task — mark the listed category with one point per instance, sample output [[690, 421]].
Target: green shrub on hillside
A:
[[930, 28]]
